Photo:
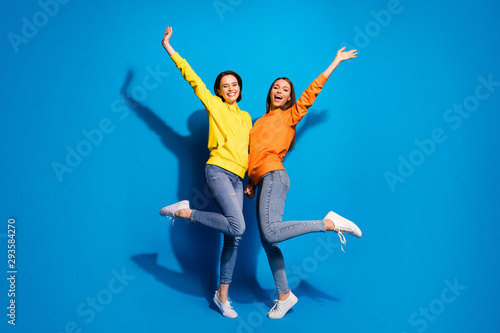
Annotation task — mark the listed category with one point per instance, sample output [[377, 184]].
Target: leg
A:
[[225, 188], [227, 262], [222, 292], [229, 251], [277, 264], [273, 188], [274, 256], [230, 245]]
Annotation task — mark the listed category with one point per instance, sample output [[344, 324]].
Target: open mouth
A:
[[278, 98], [231, 94]]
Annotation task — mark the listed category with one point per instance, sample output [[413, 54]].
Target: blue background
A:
[[84, 70]]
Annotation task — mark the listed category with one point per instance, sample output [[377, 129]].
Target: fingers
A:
[[350, 51], [350, 54], [250, 192], [344, 55]]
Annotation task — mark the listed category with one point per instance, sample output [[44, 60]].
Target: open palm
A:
[[344, 55]]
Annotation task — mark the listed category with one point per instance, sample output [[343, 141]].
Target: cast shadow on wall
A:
[[197, 248]]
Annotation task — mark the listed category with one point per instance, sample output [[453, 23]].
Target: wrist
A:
[[336, 61]]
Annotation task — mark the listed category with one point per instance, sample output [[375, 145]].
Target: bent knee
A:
[[239, 230], [236, 226], [269, 238]]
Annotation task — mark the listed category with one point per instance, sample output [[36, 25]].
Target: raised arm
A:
[[306, 100], [189, 74], [341, 56], [166, 41]]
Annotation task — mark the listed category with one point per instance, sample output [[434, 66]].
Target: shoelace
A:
[[275, 307], [170, 218], [226, 306], [342, 240]]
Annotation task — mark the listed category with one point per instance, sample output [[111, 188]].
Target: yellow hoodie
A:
[[229, 127]]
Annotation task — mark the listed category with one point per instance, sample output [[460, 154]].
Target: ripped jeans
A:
[[227, 191]]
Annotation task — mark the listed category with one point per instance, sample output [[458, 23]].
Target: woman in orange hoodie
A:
[[270, 139]]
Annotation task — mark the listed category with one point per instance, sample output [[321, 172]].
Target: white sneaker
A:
[[343, 225], [280, 308], [170, 210], [225, 308]]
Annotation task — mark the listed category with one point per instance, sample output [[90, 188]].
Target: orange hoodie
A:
[[272, 134]]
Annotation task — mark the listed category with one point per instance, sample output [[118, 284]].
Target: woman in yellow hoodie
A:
[[228, 139]]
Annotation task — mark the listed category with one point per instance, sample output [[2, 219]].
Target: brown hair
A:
[[289, 103], [219, 78]]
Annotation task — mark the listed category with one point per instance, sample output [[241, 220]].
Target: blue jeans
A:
[[227, 191], [271, 195]]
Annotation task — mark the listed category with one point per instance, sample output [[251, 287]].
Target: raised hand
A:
[[166, 40], [167, 35], [341, 55]]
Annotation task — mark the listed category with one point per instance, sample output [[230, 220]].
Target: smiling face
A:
[[229, 89], [279, 94]]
